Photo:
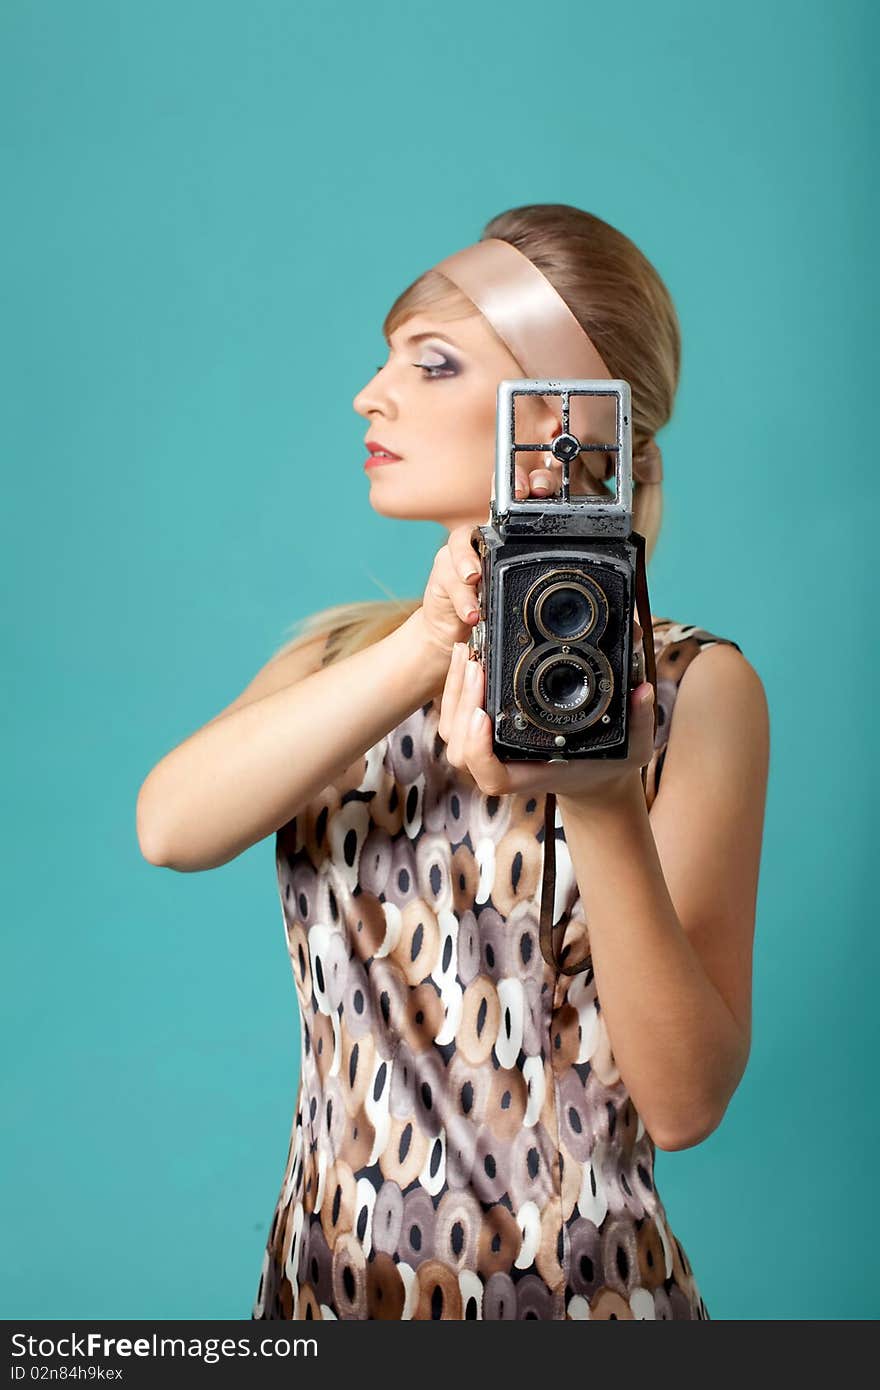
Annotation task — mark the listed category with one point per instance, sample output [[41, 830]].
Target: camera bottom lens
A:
[[563, 689], [564, 685]]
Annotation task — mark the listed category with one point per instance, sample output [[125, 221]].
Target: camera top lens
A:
[[566, 611]]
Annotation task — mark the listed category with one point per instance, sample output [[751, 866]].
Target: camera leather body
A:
[[558, 648]]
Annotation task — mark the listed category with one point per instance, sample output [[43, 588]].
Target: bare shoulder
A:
[[286, 667], [722, 679], [721, 707]]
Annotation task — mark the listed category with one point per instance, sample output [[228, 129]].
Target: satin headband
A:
[[537, 326]]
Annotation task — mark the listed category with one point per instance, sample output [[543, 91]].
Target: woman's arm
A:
[[249, 770], [669, 901]]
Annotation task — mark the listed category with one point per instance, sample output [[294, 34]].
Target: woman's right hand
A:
[[449, 605], [450, 609]]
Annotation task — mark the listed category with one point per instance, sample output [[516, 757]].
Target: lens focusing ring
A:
[[582, 706]]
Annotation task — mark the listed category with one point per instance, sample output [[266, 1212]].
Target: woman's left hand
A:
[[466, 730]]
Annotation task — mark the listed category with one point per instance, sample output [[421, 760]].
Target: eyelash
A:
[[445, 369]]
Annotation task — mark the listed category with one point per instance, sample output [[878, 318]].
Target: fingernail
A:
[[477, 718], [469, 573], [473, 670], [646, 697]]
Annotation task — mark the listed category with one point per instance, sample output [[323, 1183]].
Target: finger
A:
[[545, 481], [468, 701], [464, 557], [642, 698], [451, 690], [642, 724], [461, 595], [488, 772], [521, 487]]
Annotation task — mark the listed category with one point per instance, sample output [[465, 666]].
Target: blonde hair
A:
[[622, 304]]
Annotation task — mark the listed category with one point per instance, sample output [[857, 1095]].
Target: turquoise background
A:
[[209, 209]]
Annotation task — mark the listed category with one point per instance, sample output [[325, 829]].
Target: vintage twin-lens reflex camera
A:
[[558, 589]]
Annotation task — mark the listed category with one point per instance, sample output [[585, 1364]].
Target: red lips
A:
[[374, 446]]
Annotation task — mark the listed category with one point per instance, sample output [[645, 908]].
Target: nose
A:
[[373, 396]]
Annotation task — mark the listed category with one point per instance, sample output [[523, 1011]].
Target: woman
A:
[[475, 1127]]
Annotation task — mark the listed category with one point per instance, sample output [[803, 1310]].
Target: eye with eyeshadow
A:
[[434, 370], [441, 366]]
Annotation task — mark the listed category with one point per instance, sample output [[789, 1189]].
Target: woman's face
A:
[[433, 403]]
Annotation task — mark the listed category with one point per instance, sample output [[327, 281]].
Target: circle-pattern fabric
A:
[[463, 1145]]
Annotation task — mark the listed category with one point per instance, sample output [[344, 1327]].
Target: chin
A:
[[400, 503], [401, 509], [407, 504]]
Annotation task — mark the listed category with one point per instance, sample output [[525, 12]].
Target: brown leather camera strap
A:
[[550, 937]]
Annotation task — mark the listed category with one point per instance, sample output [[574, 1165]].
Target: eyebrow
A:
[[420, 337]]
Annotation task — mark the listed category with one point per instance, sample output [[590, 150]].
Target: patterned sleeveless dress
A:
[[463, 1145]]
